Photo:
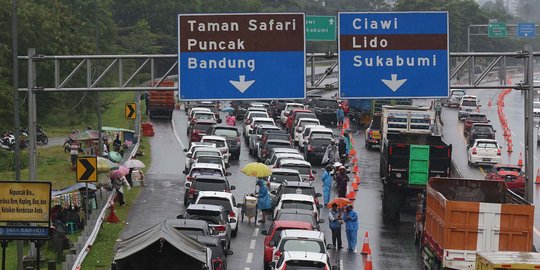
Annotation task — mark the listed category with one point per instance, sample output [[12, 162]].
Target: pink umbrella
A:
[[120, 172]]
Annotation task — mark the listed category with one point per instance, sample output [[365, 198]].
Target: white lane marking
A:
[[535, 157], [250, 257], [247, 268], [176, 135], [536, 231], [256, 232], [252, 245], [341, 264]]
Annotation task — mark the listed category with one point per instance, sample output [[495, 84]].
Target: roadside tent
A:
[[161, 247]]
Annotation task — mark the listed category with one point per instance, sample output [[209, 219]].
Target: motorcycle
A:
[[41, 136], [8, 141]]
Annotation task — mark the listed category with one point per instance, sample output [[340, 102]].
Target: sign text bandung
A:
[[241, 56], [386, 55], [25, 201]]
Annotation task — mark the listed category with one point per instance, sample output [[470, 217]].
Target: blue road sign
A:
[[393, 55], [24, 232], [241, 56], [526, 30]]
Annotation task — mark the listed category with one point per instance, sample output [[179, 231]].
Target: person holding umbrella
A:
[[118, 180], [263, 199], [335, 221], [351, 227]]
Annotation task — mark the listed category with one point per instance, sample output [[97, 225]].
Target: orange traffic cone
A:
[[357, 178], [510, 150], [537, 181], [355, 161], [520, 161], [355, 168], [352, 153], [351, 195], [368, 264], [489, 103], [354, 186], [112, 218], [365, 247]]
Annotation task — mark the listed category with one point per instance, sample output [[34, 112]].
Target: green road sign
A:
[[321, 28], [497, 29]]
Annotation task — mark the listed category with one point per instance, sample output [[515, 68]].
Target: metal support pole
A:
[[100, 125], [312, 70], [86, 203], [38, 259], [469, 38], [529, 126], [32, 152], [4, 246]]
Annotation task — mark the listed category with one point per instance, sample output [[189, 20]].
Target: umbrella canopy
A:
[[341, 202], [115, 156], [120, 172], [257, 169], [87, 135], [228, 109], [134, 163], [105, 165]]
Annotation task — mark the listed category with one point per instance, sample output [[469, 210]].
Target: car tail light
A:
[[474, 151], [220, 228], [390, 150], [477, 109], [191, 192], [277, 255], [231, 214], [311, 177], [190, 178], [310, 148], [498, 152], [370, 133], [218, 264], [238, 139]]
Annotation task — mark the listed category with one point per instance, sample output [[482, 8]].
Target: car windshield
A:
[[205, 171], [219, 143], [212, 217], [226, 132], [320, 142], [468, 103], [209, 185], [192, 231], [295, 217], [205, 127], [302, 245], [332, 104], [301, 169], [216, 201], [260, 122], [298, 190], [282, 176], [483, 129], [477, 118], [490, 145], [296, 205], [305, 265]]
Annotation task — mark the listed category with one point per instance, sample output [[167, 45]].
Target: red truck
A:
[[161, 103], [460, 217]]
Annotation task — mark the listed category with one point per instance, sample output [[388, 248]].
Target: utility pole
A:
[[529, 123]]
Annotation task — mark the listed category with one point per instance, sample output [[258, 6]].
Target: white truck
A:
[[407, 119]]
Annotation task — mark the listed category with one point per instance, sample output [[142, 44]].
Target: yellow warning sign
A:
[[25, 201], [87, 169]]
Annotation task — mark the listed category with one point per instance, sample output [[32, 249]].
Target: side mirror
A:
[[238, 205], [219, 121], [264, 232], [321, 221], [185, 172], [330, 246], [273, 265], [273, 192], [223, 242], [189, 155], [272, 243], [489, 121], [180, 217], [250, 132], [185, 150], [304, 143], [319, 205], [267, 162], [228, 174], [318, 195], [233, 220], [314, 172], [233, 187], [188, 185], [229, 252]]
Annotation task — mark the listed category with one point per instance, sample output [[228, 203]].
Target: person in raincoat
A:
[[264, 202], [351, 227], [231, 119], [341, 180], [327, 184], [347, 138], [340, 116], [332, 153], [342, 146]]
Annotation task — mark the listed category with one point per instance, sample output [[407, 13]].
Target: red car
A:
[[510, 174], [290, 117], [273, 233], [199, 129], [473, 118]]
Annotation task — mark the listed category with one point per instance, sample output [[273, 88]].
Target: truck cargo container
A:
[[361, 111], [407, 119], [161, 103], [507, 260], [459, 217]]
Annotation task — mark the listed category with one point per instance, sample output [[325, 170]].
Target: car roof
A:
[[486, 140], [291, 233], [477, 114], [213, 149], [213, 137], [294, 104], [209, 207], [507, 165], [482, 124], [200, 109], [186, 223], [308, 120], [268, 126], [202, 144], [294, 161], [305, 256], [218, 194], [203, 112], [315, 127], [206, 166], [297, 197], [290, 223], [211, 177], [284, 170]]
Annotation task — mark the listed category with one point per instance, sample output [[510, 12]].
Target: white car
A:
[[299, 128], [536, 108], [189, 153], [221, 144], [467, 105], [302, 166], [206, 169], [226, 200], [203, 115], [197, 109], [202, 151], [299, 259], [280, 150], [313, 129], [484, 151], [299, 240], [278, 176], [288, 108], [297, 201], [257, 121], [280, 156]]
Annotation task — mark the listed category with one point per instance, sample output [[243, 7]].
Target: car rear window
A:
[[216, 201], [304, 265], [477, 118], [320, 142], [219, 143], [209, 185], [299, 190], [203, 126], [307, 123], [205, 171], [226, 132], [192, 231], [332, 104], [299, 168], [212, 160], [206, 116], [278, 136], [207, 153], [212, 217], [297, 205], [468, 103], [490, 145], [259, 122], [296, 217], [282, 176], [483, 129], [302, 245]]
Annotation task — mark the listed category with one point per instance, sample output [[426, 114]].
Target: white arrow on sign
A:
[[331, 21], [394, 84], [242, 85]]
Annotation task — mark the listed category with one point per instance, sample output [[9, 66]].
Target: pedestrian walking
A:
[[74, 148], [342, 146], [264, 202], [231, 119], [327, 184], [117, 143], [340, 115], [331, 154], [129, 177], [351, 227], [334, 222], [118, 184], [438, 109], [341, 180]]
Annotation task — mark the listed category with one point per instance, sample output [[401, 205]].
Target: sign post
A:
[[241, 56], [497, 30], [321, 28], [393, 55], [86, 172]]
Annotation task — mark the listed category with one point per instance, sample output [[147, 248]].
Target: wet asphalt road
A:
[[161, 197]]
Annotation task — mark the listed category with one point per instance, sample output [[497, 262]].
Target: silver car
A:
[[217, 219]]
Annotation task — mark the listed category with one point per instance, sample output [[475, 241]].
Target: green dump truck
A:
[[407, 162]]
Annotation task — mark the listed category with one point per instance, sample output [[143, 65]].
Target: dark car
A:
[[299, 215], [294, 187], [233, 138], [200, 129], [217, 219], [473, 118], [315, 148], [255, 137], [480, 131], [219, 259], [205, 183], [267, 147], [325, 109]]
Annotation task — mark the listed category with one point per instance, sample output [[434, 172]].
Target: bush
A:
[[6, 160]]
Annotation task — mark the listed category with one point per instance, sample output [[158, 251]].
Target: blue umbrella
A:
[[228, 109], [115, 156]]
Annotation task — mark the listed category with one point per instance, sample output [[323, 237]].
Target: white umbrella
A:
[[134, 163]]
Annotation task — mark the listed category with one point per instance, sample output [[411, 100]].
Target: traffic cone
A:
[[520, 161], [112, 218], [357, 178], [355, 161], [537, 180], [355, 168], [510, 150], [354, 186], [352, 153], [365, 247], [489, 103], [368, 264]]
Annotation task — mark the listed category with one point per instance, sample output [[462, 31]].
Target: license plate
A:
[[486, 159], [469, 110]]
